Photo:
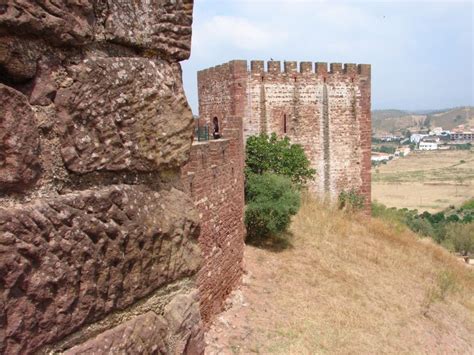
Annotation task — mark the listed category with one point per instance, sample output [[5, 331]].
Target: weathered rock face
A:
[[19, 141], [142, 123], [175, 331], [61, 22], [164, 26], [18, 58], [98, 246], [70, 260]]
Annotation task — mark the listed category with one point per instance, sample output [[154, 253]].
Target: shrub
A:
[[271, 201], [461, 236], [421, 226], [468, 205], [351, 200], [270, 154]]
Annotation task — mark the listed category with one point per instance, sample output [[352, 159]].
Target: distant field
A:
[[428, 181]]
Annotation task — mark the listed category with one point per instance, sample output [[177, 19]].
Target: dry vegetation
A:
[[429, 181], [349, 285]]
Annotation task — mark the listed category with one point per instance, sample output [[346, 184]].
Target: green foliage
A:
[[468, 204], [389, 149], [351, 200], [464, 146], [452, 229], [271, 201], [462, 237], [269, 154]]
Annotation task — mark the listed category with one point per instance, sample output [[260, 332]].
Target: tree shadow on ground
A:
[[273, 243]]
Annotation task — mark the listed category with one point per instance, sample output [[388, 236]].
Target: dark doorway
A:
[[215, 131]]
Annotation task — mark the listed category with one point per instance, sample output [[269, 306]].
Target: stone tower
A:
[[326, 111]]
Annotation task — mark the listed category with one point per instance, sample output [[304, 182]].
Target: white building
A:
[[436, 131], [379, 157], [417, 137], [428, 146]]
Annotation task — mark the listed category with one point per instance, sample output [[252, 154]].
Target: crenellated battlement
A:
[[292, 67]]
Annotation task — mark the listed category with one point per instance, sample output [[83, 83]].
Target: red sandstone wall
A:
[[213, 177], [222, 92], [327, 112], [98, 248]]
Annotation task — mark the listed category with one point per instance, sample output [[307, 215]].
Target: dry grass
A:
[[353, 286], [429, 181]]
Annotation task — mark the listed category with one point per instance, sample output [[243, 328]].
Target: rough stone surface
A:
[[177, 331], [213, 177], [60, 22], [19, 141], [327, 112], [124, 114], [145, 334], [163, 26], [68, 261], [98, 249], [18, 59]]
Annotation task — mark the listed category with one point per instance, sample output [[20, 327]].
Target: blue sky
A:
[[422, 53]]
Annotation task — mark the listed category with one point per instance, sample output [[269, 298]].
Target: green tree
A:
[[270, 154], [461, 236], [271, 201]]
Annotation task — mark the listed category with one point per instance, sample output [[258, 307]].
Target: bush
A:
[[421, 226], [269, 154], [271, 201], [351, 200], [461, 236]]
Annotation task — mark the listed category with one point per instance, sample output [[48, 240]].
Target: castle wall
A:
[[98, 246], [213, 177], [327, 112]]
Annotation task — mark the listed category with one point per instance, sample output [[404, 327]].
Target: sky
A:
[[422, 53]]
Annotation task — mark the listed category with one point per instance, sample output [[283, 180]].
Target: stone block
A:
[[59, 22], [145, 334], [178, 331], [160, 26], [124, 114], [18, 59], [19, 141], [69, 261]]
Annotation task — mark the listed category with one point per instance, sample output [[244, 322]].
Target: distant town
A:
[[388, 147]]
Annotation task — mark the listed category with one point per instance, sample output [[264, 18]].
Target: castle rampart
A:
[[213, 177], [326, 111]]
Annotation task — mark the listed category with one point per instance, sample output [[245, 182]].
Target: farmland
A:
[[431, 180]]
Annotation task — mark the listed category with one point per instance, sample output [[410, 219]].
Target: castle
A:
[[119, 233], [327, 112]]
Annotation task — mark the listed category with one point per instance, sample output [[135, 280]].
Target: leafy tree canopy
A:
[[270, 154]]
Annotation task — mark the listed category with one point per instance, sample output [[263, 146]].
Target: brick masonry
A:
[[213, 177], [99, 248], [326, 111]]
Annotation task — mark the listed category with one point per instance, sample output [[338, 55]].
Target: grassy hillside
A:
[[392, 121], [349, 285]]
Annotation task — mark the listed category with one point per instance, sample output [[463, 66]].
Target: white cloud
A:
[[234, 32]]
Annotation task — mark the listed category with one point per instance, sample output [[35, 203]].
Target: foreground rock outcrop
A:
[[98, 245]]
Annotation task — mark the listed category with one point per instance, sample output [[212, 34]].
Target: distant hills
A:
[[397, 121]]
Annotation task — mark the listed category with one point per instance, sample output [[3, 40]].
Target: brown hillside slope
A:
[[394, 121], [349, 285]]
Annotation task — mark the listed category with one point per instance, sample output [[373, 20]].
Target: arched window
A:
[[284, 123], [215, 130]]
